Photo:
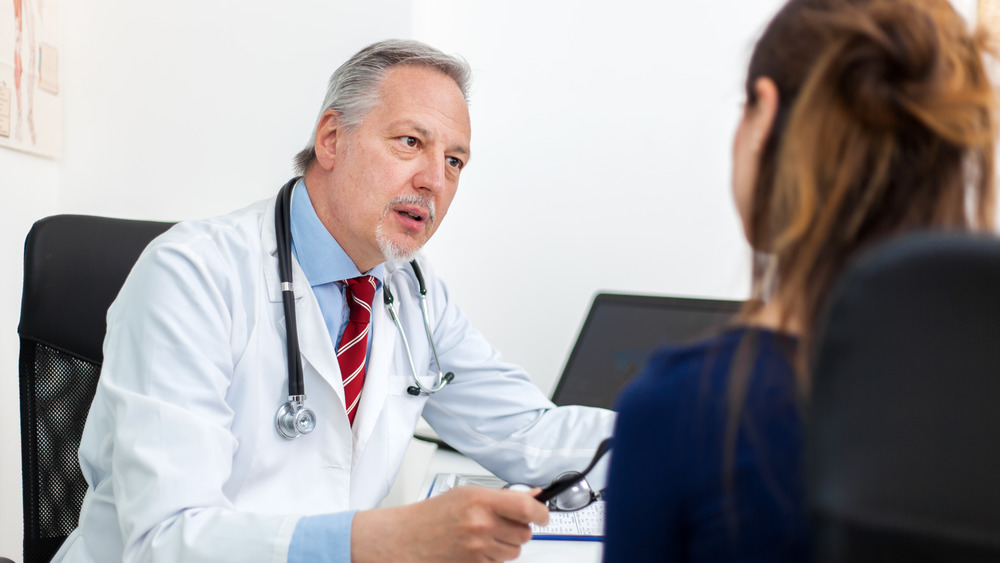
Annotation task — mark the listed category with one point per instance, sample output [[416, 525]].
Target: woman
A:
[[864, 119]]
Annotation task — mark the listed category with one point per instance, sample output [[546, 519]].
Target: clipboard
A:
[[586, 524]]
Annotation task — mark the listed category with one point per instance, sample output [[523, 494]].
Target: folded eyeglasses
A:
[[569, 491]]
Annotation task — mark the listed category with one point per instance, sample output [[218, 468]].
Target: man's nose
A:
[[431, 176]]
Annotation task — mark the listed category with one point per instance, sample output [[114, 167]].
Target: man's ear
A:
[[762, 119], [328, 133]]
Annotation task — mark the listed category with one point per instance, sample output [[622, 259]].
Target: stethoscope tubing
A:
[[283, 233], [443, 379]]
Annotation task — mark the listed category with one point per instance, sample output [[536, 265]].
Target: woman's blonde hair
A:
[[885, 124]]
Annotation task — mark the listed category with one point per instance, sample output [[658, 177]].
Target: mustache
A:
[[413, 199]]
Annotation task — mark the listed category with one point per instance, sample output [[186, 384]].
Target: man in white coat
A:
[[181, 450]]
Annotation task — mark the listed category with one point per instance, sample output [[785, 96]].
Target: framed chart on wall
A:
[[30, 108]]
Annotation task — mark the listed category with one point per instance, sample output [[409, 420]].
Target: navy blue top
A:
[[674, 493]]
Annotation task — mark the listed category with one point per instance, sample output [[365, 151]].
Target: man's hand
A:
[[463, 524]]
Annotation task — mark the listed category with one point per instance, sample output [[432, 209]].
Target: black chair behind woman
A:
[[903, 443]]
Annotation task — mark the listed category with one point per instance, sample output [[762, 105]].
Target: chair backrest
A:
[[74, 266], [903, 435]]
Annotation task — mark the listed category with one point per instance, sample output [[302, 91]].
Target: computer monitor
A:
[[619, 334]]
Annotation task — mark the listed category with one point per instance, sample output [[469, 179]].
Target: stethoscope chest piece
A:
[[293, 419]]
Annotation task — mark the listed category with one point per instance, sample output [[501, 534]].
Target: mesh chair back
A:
[[903, 443], [74, 266]]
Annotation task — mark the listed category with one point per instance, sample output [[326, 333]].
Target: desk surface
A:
[[535, 551]]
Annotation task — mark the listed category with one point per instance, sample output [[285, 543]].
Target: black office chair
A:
[[74, 266], [903, 434]]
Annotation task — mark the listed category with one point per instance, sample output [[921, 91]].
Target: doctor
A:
[[181, 449]]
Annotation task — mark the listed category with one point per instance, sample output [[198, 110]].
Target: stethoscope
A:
[[293, 418]]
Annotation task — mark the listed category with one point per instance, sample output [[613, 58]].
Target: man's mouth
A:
[[414, 217], [415, 213], [411, 215]]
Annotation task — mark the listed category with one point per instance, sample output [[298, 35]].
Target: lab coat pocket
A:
[[403, 411]]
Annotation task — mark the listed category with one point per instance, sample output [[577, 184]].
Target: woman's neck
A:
[[775, 315]]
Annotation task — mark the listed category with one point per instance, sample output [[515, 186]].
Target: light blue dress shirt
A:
[[324, 538]]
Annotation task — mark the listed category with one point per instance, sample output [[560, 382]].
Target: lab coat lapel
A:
[[376, 389], [314, 340], [269, 245]]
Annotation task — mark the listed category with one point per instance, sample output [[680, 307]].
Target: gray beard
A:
[[392, 252]]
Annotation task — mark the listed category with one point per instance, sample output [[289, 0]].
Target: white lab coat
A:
[[180, 448]]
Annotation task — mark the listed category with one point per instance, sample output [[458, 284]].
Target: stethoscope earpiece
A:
[[415, 391]]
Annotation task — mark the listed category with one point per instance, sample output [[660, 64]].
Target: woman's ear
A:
[[762, 118], [327, 134]]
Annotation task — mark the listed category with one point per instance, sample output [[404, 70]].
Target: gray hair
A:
[[354, 87]]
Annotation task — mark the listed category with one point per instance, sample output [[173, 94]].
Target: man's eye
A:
[[411, 142], [456, 163]]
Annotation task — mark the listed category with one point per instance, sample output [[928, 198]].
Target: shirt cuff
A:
[[325, 538]]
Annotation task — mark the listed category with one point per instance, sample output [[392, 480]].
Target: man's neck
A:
[[316, 185]]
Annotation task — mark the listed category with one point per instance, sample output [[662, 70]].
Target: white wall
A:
[[190, 108], [600, 147], [600, 160]]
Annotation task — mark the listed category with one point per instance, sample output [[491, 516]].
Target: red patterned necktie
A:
[[354, 344]]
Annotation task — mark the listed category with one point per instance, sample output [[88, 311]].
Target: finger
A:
[[534, 493], [522, 507], [503, 552], [512, 533]]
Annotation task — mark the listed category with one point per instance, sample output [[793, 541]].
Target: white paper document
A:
[[585, 524]]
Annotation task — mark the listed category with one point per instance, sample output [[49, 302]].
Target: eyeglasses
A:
[[569, 491]]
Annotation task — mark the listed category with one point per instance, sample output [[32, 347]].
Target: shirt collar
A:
[[320, 255]]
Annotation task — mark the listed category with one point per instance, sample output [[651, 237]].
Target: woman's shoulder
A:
[[674, 372]]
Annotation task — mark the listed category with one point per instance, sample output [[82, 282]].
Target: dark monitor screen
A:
[[619, 334]]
